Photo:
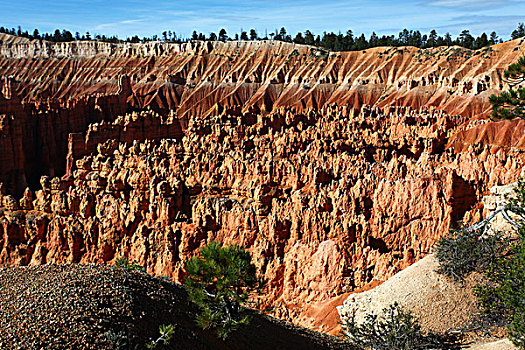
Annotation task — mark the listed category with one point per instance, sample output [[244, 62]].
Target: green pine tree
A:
[[511, 104], [219, 281]]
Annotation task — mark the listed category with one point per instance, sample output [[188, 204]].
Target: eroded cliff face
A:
[[201, 77], [52, 90], [152, 151], [326, 201]]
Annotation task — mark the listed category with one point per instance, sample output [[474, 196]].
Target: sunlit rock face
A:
[[335, 170]]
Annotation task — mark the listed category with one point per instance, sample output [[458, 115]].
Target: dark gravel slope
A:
[[100, 307]]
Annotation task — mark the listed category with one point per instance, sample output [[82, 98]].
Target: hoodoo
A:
[[335, 170]]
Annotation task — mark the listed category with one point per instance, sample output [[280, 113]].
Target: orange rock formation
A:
[[152, 150]]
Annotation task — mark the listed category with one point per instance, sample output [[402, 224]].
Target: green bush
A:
[[394, 329], [166, 334], [503, 294], [125, 264], [218, 282], [516, 203], [501, 259], [465, 250]]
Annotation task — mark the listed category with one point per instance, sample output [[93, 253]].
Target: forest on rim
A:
[[329, 41]]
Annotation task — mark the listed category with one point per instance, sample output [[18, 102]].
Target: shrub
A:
[[503, 293], [516, 203], [117, 340], [166, 333], [502, 261], [465, 250], [394, 329], [125, 264], [218, 282]]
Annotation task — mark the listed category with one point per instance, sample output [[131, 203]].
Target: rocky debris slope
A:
[[440, 303], [327, 202], [501, 344], [99, 307]]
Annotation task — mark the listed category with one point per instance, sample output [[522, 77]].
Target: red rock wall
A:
[[200, 78], [265, 144], [326, 201], [503, 134], [60, 88], [36, 134], [133, 127]]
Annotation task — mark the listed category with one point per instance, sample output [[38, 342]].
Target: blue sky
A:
[[145, 18]]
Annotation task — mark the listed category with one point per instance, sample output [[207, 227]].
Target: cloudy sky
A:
[[145, 18]]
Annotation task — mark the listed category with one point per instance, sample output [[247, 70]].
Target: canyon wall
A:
[[51, 90], [201, 77], [335, 170], [327, 201]]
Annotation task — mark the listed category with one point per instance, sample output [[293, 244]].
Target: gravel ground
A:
[[100, 307]]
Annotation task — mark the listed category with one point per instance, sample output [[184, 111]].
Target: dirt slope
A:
[[99, 307]]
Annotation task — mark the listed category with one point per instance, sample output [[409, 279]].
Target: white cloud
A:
[[468, 4], [117, 24]]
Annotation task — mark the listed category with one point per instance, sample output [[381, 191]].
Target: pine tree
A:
[[511, 104], [519, 32], [494, 39], [218, 282], [222, 35], [309, 38], [466, 39], [481, 41], [432, 38], [253, 34], [502, 296]]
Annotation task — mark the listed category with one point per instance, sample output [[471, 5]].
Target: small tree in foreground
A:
[[465, 250], [125, 264], [394, 329], [504, 293], [218, 281], [166, 334]]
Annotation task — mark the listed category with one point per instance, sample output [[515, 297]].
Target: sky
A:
[[146, 18]]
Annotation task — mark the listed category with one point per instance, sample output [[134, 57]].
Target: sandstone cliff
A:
[[262, 75], [53, 89], [151, 151], [326, 202]]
